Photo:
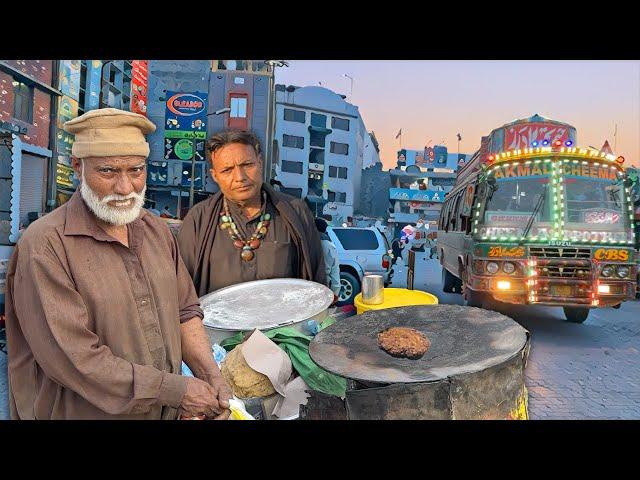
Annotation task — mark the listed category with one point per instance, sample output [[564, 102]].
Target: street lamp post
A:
[[193, 159], [270, 134], [351, 90]]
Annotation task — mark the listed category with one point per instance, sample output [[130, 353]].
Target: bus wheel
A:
[[475, 298], [576, 314], [448, 281]]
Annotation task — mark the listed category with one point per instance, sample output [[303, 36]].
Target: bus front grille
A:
[[560, 252]]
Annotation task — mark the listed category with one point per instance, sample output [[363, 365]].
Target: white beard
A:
[[112, 215]]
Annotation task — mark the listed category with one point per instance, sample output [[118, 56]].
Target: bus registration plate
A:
[[561, 290]]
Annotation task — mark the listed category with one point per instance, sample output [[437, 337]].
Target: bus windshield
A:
[[595, 209], [586, 204], [511, 205]]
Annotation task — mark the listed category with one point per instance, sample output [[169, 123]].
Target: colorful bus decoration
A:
[[549, 224]]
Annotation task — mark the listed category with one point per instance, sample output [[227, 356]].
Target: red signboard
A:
[[524, 134], [139, 83]]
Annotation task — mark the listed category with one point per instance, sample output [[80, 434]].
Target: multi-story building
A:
[[81, 83], [177, 139], [374, 192], [321, 140], [246, 87], [419, 184], [28, 100], [235, 94], [371, 154]]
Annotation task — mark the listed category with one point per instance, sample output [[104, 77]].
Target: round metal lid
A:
[[264, 304], [463, 340]]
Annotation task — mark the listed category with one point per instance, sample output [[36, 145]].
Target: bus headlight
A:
[[492, 267], [622, 271], [508, 268], [607, 271]]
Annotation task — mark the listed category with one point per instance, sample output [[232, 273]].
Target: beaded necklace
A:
[[246, 245]]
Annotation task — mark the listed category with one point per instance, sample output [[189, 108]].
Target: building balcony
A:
[[410, 195], [316, 167]]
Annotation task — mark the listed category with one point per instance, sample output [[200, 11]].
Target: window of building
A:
[[317, 139], [340, 148], [292, 141], [238, 107], [291, 167], [316, 156], [338, 172], [340, 123], [296, 192], [294, 115], [338, 197], [318, 120], [116, 84], [22, 102]]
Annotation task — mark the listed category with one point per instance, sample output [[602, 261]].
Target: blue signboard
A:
[[185, 127], [416, 195], [186, 112]]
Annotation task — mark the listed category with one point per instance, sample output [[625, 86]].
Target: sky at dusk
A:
[[435, 100]]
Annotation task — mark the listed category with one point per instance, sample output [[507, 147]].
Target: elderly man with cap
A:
[[101, 310]]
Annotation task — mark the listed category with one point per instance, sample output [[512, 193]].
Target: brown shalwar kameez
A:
[[276, 257], [93, 327]]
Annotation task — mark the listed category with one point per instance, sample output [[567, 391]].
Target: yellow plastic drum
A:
[[397, 297]]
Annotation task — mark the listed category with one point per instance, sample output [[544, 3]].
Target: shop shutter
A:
[[32, 179]]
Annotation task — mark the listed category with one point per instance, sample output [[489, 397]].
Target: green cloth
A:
[[296, 345]]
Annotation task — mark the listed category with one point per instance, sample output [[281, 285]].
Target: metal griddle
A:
[[463, 340]]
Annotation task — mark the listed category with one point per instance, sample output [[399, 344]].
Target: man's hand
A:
[[223, 393], [201, 398]]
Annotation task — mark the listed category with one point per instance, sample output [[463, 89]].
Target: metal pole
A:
[[193, 173], [53, 139], [266, 173], [179, 203]]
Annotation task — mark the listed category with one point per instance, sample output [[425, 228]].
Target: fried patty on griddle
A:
[[403, 342]]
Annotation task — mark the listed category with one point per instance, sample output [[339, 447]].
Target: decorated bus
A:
[[549, 224]]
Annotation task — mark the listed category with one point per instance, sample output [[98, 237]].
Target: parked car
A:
[[360, 250]]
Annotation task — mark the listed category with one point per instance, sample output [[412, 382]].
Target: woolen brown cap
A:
[[109, 132]]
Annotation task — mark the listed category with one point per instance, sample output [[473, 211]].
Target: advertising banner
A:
[[416, 195], [185, 128], [70, 78], [139, 85]]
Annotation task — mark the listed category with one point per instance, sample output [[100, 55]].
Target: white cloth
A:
[[332, 265]]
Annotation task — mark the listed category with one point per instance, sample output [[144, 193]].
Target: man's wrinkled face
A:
[[238, 172], [113, 187]]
